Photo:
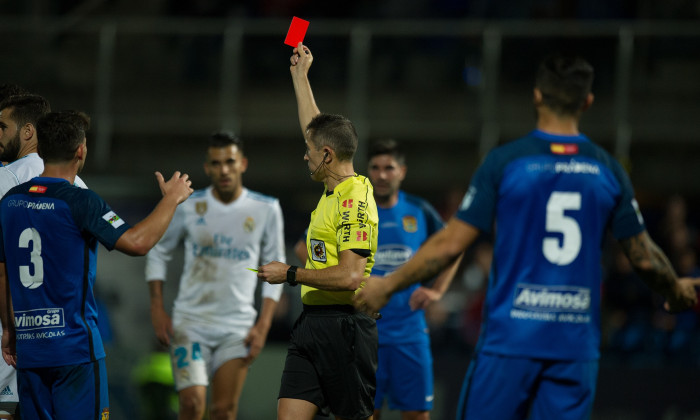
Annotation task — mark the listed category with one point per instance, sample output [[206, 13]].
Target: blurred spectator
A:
[[638, 329], [153, 376], [676, 234], [629, 306], [475, 281]]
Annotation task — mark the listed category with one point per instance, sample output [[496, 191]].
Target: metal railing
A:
[[360, 35]]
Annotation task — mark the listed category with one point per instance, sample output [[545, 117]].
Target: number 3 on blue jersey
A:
[[31, 281], [564, 251]]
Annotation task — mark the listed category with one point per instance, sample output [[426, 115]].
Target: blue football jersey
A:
[[402, 230], [551, 199], [50, 231]]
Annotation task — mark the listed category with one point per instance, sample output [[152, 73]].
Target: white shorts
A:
[[8, 384], [196, 352]]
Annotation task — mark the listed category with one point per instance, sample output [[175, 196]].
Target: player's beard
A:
[[226, 193], [11, 150], [383, 198]]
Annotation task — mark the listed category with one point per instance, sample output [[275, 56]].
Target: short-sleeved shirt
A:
[[344, 219], [49, 231], [551, 198], [222, 240], [402, 230]]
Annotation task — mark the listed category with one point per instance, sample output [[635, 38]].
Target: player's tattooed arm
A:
[[650, 263]]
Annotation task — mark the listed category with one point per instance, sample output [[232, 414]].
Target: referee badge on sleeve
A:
[[318, 250]]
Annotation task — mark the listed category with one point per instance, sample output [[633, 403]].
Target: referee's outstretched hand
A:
[[274, 272]]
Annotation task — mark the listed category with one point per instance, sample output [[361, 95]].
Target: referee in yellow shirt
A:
[[332, 355]]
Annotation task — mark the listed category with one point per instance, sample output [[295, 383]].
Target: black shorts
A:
[[332, 360]]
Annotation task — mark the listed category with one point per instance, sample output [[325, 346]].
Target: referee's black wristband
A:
[[292, 275]]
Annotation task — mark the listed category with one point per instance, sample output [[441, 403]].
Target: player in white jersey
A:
[[24, 169], [18, 145], [213, 335], [18, 142]]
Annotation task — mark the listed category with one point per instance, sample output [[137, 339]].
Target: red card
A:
[[296, 32]]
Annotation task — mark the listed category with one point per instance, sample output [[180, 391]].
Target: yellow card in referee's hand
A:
[[254, 270]]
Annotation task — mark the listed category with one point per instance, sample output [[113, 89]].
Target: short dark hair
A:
[[225, 139], [387, 147], [11, 89], [59, 134], [26, 109], [565, 81], [334, 131]]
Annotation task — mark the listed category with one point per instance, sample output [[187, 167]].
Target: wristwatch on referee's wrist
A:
[[292, 275]]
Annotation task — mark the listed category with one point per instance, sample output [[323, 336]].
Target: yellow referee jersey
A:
[[345, 218]]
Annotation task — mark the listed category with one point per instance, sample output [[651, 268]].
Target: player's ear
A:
[[536, 96], [81, 152], [402, 172], [27, 132], [588, 102]]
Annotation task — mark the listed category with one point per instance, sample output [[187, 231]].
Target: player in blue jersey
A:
[[552, 195], [405, 367], [49, 231]]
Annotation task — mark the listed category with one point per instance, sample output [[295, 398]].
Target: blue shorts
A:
[[405, 377], [64, 392], [501, 387]]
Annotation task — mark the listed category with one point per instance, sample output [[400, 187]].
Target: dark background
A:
[[449, 79]]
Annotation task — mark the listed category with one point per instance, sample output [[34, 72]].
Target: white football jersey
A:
[[221, 242], [24, 169]]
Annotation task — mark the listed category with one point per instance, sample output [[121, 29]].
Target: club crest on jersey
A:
[[112, 218], [200, 207], [249, 224], [410, 224], [564, 149], [318, 250], [105, 414], [40, 189]]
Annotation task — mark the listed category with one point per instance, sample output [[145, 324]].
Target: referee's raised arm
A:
[[301, 60]]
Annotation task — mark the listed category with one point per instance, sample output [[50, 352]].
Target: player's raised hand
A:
[[179, 186], [684, 296], [373, 296], [300, 60]]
